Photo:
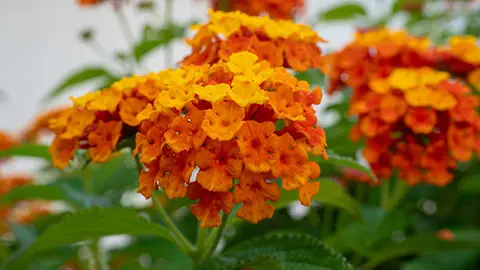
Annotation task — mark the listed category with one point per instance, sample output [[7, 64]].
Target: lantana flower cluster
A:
[[419, 122], [374, 53], [279, 9], [23, 212], [281, 43], [216, 121]]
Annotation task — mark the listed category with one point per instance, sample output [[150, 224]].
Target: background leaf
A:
[[78, 77], [50, 192], [154, 40], [94, 223], [419, 244], [344, 162], [330, 193], [289, 251], [342, 12], [27, 150]]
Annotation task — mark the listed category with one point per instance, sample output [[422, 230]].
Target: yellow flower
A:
[[379, 85], [149, 113], [246, 93], [442, 100], [176, 97], [420, 96], [432, 77], [212, 93], [404, 79], [474, 78], [242, 62]]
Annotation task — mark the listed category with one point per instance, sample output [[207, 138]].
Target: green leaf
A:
[[454, 260], [279, 251], [471, 184], [419, 244], [163, 37], [27, 150], [362, 237], [33, 192], [396, 6], [78, 77], [348, 162], [330, 193], [342, 12], [313, 76], [94, 223], [118, 173]]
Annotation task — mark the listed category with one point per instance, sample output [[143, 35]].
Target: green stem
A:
[[98, 258], [398, 194], [102, 53], [385, 194], [214, 237], [168, 22], [360, 191], [201, 238], [128, 34], [180, 240], [328, 213]]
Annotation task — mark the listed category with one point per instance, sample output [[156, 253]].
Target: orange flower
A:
[[421, 120], [462, 141], [186, 132], [253, 191], [289, 162], [175, 171], [87, 3], [148, 179], [209, 204], [62, 151], [6, 141], [372, 126], [219, 163], [392, 108], [307, 191], [284, 104], [223, 120], [150, 139], [445, 234], [103, 140], [253, 144], [130, 108], [41, 124], [11, 182]]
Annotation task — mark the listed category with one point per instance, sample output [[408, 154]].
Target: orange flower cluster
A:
[[418, 121], [278, 9], [461, 57], [281, 43], [374, 53], [218, 119], [6, 140], [88, 3], [41, 124], [22, 212], [353, 175]]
